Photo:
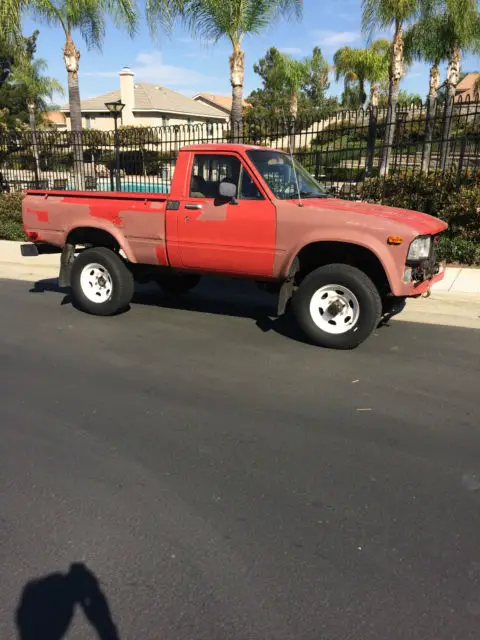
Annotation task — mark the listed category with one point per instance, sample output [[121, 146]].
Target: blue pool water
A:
[[129, 186]]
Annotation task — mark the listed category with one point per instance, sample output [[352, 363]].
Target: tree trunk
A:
[[431, 115], [396, 73], [294, 104], [374, 95], [237, 75], [33, 127], [453, 73], [361, 91], [71, 57]]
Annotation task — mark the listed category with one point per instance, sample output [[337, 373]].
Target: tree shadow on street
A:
[[47, 606]]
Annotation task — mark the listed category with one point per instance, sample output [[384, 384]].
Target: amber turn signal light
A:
[[394, 240]]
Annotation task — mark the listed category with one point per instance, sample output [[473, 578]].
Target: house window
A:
[[165, 121], [89, 122]]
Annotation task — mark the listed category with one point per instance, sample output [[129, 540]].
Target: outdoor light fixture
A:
[[115, 108]]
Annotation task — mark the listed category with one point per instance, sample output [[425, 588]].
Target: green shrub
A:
[[11, 227], [461, 250]]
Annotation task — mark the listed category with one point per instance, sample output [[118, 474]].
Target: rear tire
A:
[[178, 282], [101, 282], [337, 306]]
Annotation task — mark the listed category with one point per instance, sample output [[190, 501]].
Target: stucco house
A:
[[146, 105], [467, 89], [222, 103]]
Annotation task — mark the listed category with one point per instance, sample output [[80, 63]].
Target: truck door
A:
[[217, 235]]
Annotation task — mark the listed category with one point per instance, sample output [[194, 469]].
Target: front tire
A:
[[101, 283], [337, 306]]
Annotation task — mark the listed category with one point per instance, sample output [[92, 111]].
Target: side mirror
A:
[[227, 190]]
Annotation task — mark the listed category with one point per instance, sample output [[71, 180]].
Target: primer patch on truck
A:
[[212, 212]]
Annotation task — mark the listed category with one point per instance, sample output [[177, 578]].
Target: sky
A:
[[189, 66]]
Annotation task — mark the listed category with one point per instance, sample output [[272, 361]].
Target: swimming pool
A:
[[134, 186]]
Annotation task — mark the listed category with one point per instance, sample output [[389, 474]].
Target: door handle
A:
[[193, 206]]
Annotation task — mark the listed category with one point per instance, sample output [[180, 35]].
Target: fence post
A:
[[371, 140], [461, 160]]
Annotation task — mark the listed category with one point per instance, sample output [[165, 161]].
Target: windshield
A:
[[277, 169]]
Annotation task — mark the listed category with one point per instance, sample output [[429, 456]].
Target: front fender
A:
[[391, 257]]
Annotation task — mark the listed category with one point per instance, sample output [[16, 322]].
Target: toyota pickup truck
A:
[[244, 212]]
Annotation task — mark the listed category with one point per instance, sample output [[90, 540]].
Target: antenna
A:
[[290, 148]]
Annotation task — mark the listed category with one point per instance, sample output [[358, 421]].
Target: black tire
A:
[[369, 306], [122, 284], [178, 282]]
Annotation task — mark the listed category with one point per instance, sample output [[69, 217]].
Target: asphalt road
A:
[[217, 479]]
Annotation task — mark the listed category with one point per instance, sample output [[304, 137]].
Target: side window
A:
[[209, 170], [248, 188]]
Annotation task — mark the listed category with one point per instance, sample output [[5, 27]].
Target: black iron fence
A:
[[342, 151]]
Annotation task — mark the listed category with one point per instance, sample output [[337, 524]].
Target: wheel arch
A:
[[317, 254], [99, 237]]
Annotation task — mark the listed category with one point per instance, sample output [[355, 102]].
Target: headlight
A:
[[420, 248]]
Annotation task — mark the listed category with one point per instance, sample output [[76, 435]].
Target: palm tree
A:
[[424, 41], [445, 30], [385, 14], [36, 88], [89, 18], [359, 66], [216, 19]]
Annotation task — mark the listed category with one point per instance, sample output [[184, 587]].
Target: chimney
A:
[[127, 94]]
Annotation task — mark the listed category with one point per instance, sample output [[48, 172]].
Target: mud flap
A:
[[287, 289], [66, 261]]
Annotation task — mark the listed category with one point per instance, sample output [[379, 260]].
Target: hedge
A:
[[11, 227], [433, 194]]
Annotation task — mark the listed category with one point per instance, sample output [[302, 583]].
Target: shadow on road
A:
[[225, 297], [48, 604]]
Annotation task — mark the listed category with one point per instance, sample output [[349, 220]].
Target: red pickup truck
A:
[[246, 212]]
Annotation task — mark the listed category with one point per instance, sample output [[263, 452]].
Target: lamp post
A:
[[116, 109]]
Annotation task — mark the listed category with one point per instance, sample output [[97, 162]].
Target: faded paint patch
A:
[[158, 205], [107, 214], [211, 212]]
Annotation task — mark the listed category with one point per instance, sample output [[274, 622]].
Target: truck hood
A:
[[421, 223]]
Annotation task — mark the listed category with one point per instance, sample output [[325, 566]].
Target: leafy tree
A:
[[290, 87], [216, 19], [36, 89], [385, 14]]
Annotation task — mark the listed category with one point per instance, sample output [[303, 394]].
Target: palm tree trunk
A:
[[33, 127], [361, 91], [71, 57], [374, 95], [453, 72], [431, 113], [396, 73], [237, 75]]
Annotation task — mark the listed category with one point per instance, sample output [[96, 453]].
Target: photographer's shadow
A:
[[48, 604]]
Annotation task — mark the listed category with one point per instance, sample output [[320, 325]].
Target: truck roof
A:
[[222, 146]]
